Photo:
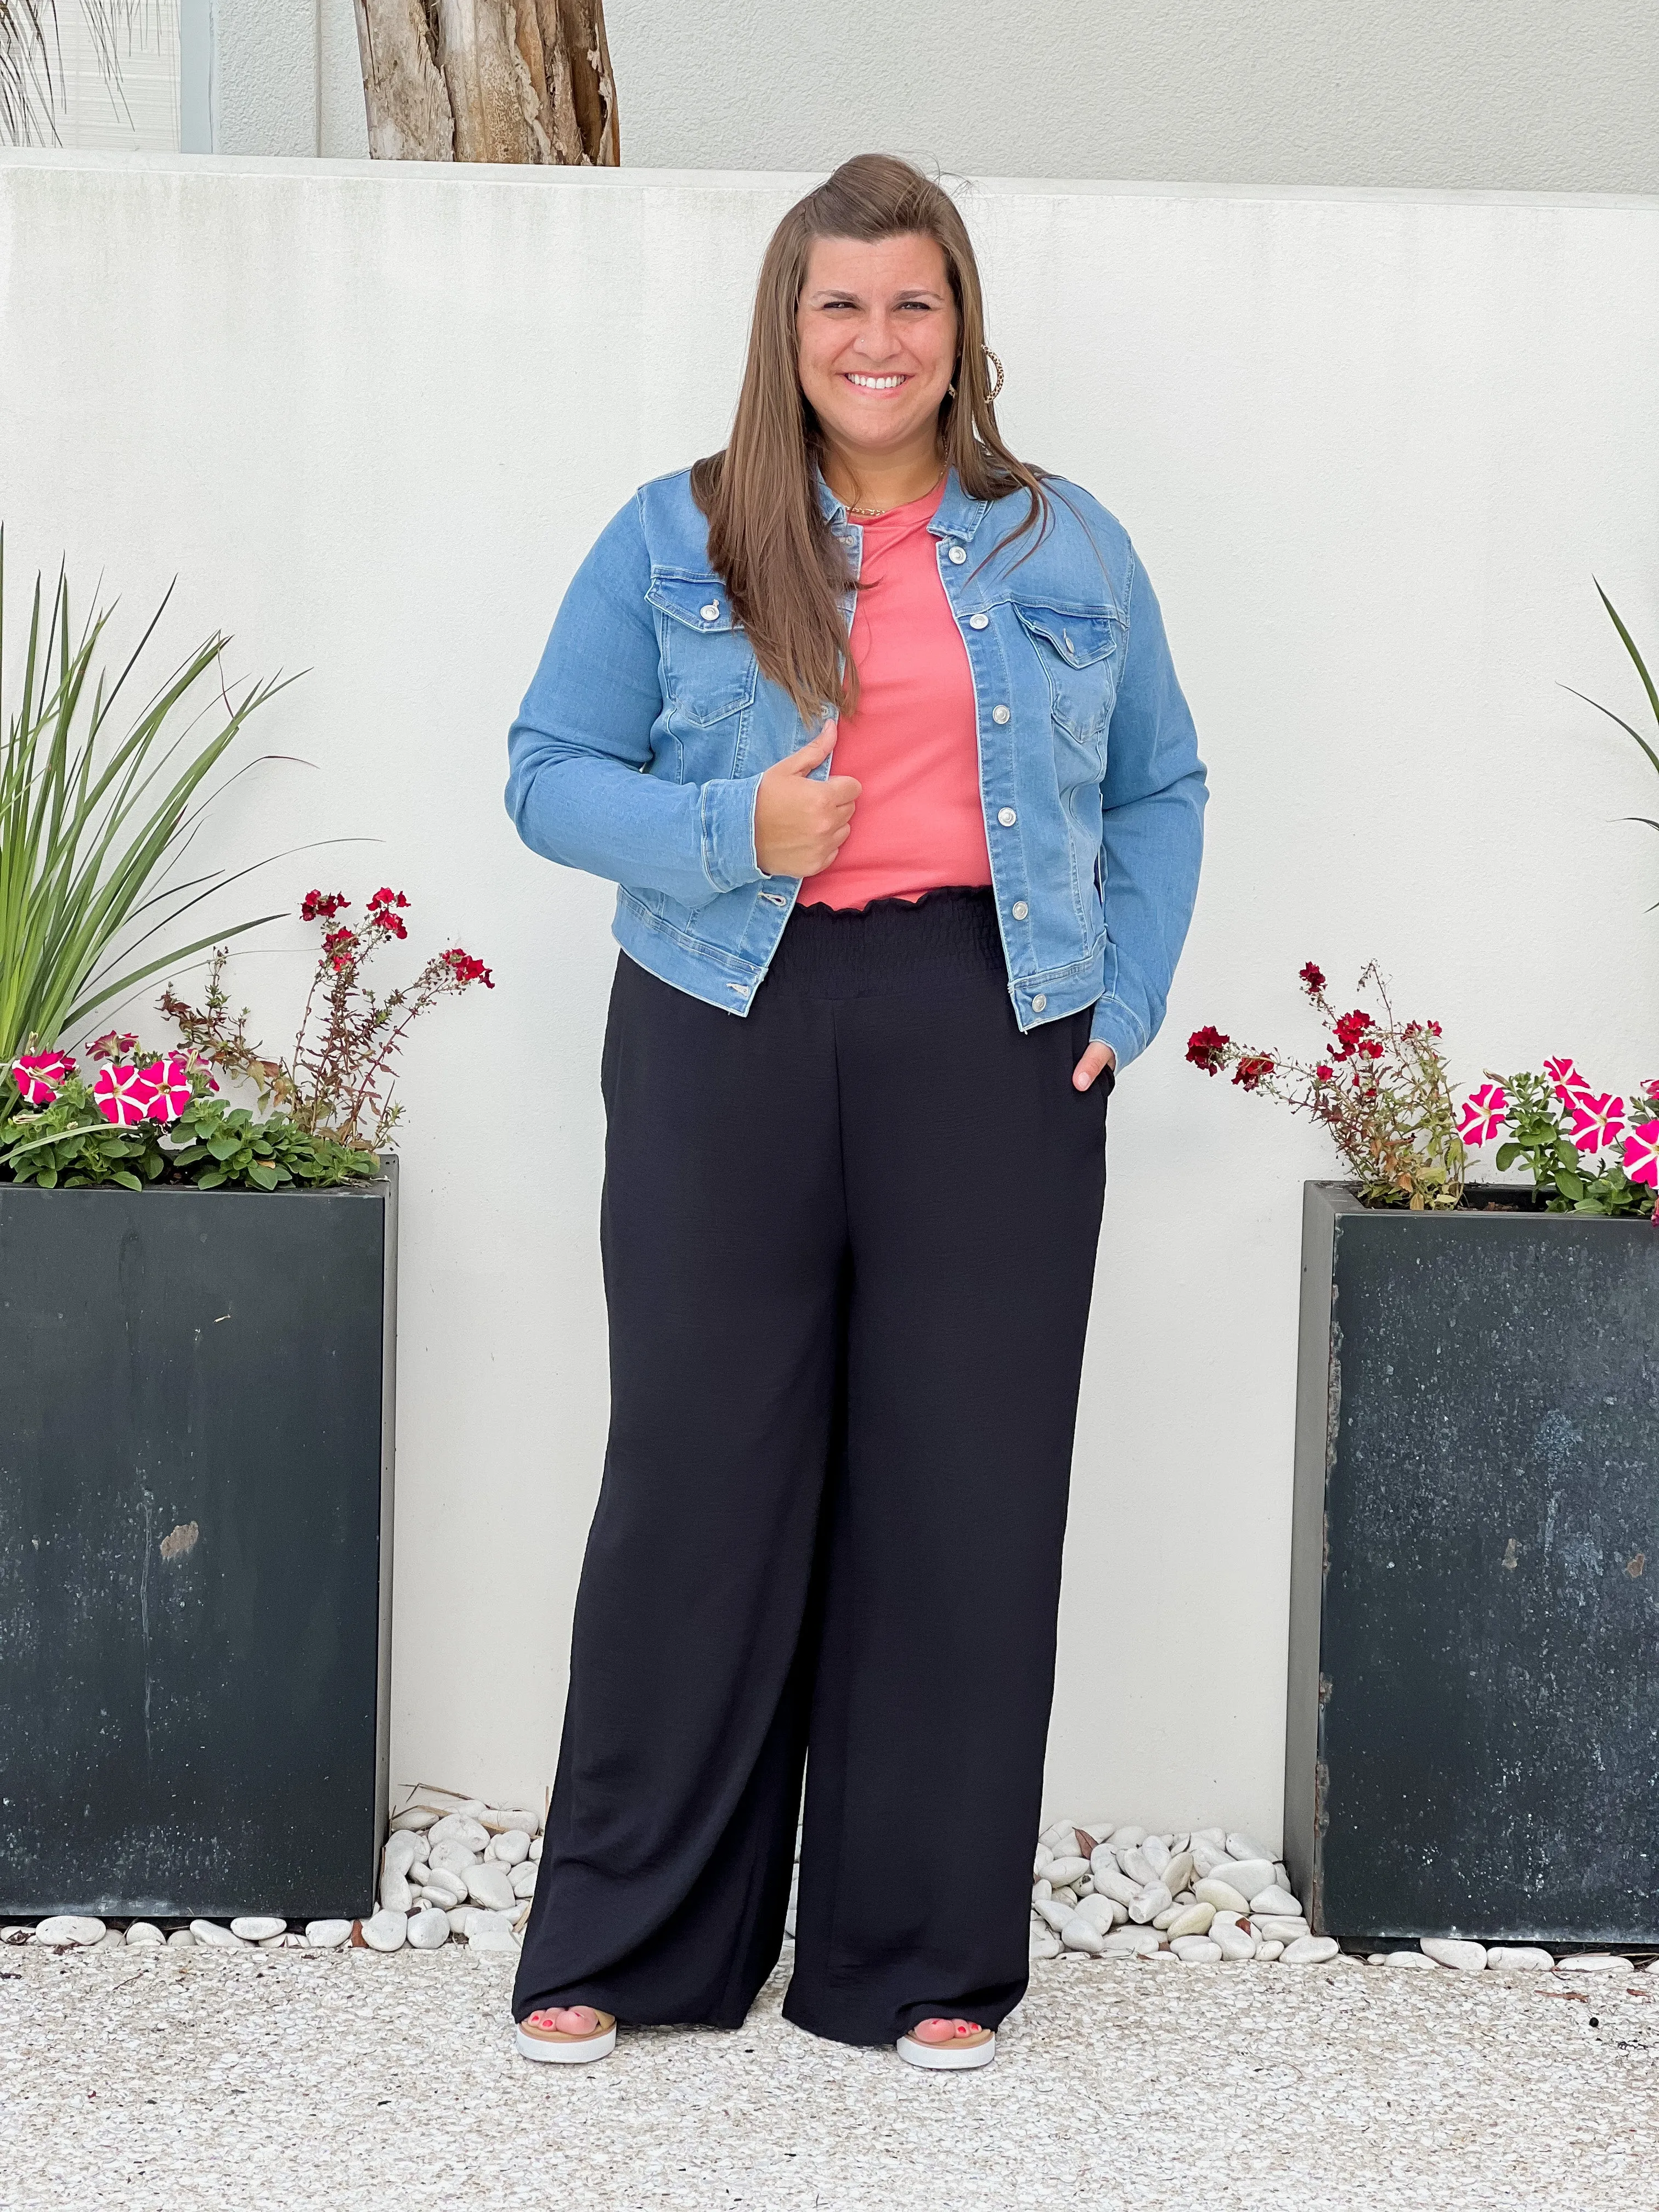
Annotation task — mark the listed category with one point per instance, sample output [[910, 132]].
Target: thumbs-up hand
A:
[[802, 823]]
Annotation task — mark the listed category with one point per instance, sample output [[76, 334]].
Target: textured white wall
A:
[[1500, 95], [1372, 449], [265, 77]]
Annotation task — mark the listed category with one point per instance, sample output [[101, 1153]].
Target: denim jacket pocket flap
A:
[[702, 602], [1079, 640]]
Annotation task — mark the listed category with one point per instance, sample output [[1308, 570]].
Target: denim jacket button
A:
[[1039, 1002], [1020, 909], [998, 714], [958, 555], [978, 621], [1007, 816], [711, 611]]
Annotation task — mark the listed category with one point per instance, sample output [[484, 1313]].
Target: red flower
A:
[[1350, 1028], [112, 1045], [1313, 978], [467, 969], [340, 949], [1205, 1048], [1370, 1049], [1322, 1073], [1253, 1069], [319, 906], [386, 897]]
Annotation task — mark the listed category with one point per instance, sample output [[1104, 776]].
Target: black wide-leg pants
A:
[[848, 1248]]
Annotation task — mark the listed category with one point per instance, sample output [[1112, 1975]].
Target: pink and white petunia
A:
[[1596, 1122], [1568, 1084], [1483, 1115], [38, 1075], [124, 1095], [169, 1079], [1642, 1153]]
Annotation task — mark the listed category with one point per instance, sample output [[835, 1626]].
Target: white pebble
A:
[[402, 1850], [1062, 1873], [255, 1927], [429, 1929], [1249, 1877], [210, 1931], [1126, 1839], [145, 1935], [536, 1848], [1518, 1959], [491, 1932], [181, 1940], [1266, 1953], [1409, 1959], [1133, 1942], [1045, 1946], [1061, 1832], [1151, 1902], [1311, 1950], [387, 1931], [509, 1820], [458, 1828], [1156, 1852], [1241, 1846], [416, 1819], [445, 1887], [523, 1878], [1451, 1951], [1055, 1915], [78, 1928], [1206, 1856], [454, 1856], [290, 1940], [513, 1848], [1081, 1934], [1196, 1950], [1594, 1962], [1177, 1871], [1221, 1894], [1109, 1877], [327, 1935], [1279, 1927], [396, 1895], [1235, 1941], [1274, 1901], [1195, 1920]]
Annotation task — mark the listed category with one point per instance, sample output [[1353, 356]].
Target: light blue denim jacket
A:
[[641, 743]]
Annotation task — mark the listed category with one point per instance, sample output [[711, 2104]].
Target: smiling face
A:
[[877, 326]]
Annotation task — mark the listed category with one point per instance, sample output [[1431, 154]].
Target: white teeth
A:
[[876, 383]]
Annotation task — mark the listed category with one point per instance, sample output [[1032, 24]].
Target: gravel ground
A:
[[360, 2083]]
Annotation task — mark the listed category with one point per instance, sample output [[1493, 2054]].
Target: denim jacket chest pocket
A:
[[709, 667], [1080, 656]]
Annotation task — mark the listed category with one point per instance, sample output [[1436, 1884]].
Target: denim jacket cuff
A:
[[1113, 1024], [727, 817]]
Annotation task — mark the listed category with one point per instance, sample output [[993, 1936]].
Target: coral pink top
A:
[[913, 742]]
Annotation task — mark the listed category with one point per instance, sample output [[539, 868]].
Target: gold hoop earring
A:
[[997, 365]]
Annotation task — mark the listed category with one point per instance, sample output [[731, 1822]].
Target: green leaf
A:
[[1507, 1157], [126, 1180], [209, 1179], [265, 1176], [1570, 1185], [223, 1147]]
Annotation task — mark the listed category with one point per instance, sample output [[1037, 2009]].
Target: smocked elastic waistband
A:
[[891, 945]]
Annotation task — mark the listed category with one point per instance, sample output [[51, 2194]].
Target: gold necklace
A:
[[871, 512]]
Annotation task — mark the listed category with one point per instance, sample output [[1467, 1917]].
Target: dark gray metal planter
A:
[[196, 1409], [1473, 1737]]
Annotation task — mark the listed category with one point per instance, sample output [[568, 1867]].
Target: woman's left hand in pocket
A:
[[1098, 1056]]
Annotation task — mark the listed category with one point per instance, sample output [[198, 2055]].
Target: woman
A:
[[865, 1019]]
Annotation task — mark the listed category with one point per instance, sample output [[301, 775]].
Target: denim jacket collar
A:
[[957, 515]]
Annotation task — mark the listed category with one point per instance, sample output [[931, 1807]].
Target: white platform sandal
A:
[[968, 2046], [537, 2038]]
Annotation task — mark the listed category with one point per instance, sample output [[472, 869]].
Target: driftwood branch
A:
[[488, 81]]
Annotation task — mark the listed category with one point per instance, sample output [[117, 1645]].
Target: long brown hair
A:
[[767, 535]]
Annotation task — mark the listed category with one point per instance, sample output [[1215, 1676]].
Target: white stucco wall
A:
[[1372, 449], [1500, 95]]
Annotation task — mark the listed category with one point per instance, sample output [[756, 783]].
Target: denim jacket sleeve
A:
[[1152, 834], [584, 735]]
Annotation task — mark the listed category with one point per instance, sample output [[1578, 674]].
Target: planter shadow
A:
[[196, 1428]]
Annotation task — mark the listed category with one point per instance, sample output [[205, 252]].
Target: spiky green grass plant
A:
[[97, 815]]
